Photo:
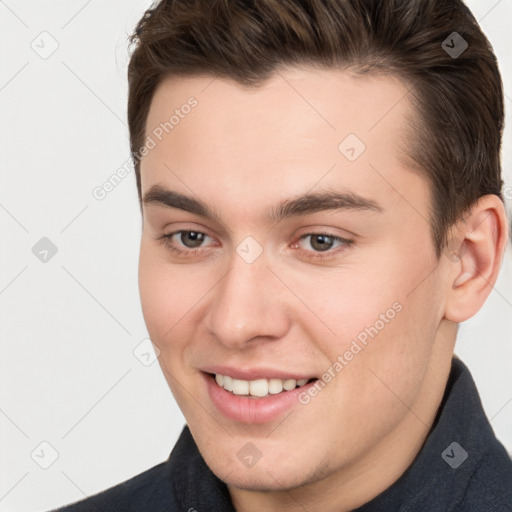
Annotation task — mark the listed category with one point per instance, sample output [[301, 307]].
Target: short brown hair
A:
[[458, 98]]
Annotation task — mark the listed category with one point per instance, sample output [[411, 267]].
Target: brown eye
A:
[[323, 245], [191, 239], [321, 242]]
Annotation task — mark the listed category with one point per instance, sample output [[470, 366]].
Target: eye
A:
[[191, 239], [185, 241], [322, 243]]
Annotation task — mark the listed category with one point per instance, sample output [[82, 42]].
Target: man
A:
[[321, 198]]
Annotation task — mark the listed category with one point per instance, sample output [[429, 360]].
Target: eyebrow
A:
[[303, 205]]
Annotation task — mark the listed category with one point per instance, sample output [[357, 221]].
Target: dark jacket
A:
[[462, 467]]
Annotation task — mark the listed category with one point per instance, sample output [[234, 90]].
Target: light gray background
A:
[[69, 326]]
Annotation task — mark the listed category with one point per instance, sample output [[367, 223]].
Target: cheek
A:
[[167, 303], [344, 305], [173, 297], [400, 332], [155, 294], [380, 321], [165, 298]]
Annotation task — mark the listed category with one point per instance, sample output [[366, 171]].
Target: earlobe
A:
[[479, 244]]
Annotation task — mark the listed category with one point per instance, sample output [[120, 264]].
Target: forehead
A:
[[300, 129]]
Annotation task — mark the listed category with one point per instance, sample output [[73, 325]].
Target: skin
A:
[[245, 152]]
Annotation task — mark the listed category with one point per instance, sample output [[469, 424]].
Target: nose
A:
[[247, 305]]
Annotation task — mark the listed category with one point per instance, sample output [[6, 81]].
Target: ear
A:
[[474, 253]]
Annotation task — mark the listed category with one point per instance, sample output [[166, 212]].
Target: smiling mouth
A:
[[258, 388]]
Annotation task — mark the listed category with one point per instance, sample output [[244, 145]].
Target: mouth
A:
[[255, 395], [259, 388]]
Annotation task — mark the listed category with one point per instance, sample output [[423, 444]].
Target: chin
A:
[[262, 481], [267, 476]]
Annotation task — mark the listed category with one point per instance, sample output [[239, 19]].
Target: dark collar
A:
[[459, 443]]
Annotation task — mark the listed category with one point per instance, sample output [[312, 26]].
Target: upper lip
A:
[[254, 373]]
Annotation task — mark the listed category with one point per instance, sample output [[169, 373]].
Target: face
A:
[[286, 243]]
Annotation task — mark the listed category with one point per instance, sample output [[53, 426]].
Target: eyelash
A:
[[344, 244]]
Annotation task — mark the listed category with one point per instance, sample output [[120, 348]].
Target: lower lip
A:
[[252, 410]]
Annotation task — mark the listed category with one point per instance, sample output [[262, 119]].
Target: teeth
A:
[[227, 382], [240, 387], [259, 387], [275, 386], [289, 384]]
